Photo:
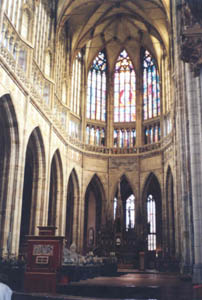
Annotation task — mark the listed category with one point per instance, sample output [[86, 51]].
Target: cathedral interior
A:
[[100, 128]]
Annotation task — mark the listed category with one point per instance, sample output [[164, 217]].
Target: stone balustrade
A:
[[164, 143]]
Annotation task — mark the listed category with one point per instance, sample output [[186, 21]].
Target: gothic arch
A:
[[125, 177], [126, 190], [34, 186], [128, 50], [72, 209], [56, 192], [94, 203], [152, 190], [170, 213], [9, 156], [150, 177]]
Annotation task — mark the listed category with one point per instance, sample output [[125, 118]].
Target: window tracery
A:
[[96, 93], [124, 89], [151, 88]]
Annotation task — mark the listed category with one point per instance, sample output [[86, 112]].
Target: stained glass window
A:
[[76, 85], [151, 220], [151, 88], [96, 96], [152, 133], [124, 89], [95, 135], [124, 137]]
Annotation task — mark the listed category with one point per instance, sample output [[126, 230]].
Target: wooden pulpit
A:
[[44, 257]]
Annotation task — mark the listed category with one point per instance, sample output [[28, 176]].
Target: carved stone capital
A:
[[191, 40]]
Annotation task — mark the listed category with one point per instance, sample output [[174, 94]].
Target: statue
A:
[[70, 256]]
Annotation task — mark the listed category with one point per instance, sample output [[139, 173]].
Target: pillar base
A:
[[197, 274]]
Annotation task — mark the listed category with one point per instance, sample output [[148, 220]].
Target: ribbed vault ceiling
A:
[[116, 24]]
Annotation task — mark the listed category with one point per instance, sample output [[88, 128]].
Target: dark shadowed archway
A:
[[94, 198], [72, 213], [127, 202], [55, 191], [34, 186], [9, 157]]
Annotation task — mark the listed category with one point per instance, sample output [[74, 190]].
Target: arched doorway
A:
[[125, 242], [72, 213], [125, 193], [93, 213], [33, 188], [152, 220], [170, 216], [56, 191], [9, 156]]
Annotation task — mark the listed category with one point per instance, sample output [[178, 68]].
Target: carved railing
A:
[[163, 144], [14, 50], [41, 86]]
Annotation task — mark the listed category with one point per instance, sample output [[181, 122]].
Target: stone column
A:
[[84, 86], [191, 53], [110, 112], [194, 96], [139, 118]]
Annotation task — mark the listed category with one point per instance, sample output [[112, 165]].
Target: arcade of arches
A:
[[100, 127]]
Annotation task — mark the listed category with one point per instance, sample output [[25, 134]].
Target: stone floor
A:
[[128, 285], [133, 285]]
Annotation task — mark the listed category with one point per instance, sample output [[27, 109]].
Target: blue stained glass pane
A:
[[151, 90]]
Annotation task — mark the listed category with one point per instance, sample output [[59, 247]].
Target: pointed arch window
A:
[[76, 85], [151, 221], [130, 212], [115, 206], [96, 95], [124, 89], [151, 87]]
